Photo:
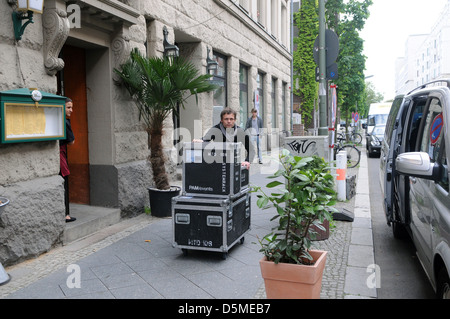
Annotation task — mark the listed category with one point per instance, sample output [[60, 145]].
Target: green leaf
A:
[[274, 184]]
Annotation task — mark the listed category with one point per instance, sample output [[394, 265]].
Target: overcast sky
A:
[[385, 34]]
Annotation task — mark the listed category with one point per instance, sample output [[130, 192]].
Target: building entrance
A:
[[72, 83]]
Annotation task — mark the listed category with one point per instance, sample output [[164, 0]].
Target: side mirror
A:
[[364, 126], [417, 164]]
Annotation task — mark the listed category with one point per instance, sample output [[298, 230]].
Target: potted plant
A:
[[158, 86], [291, 270]]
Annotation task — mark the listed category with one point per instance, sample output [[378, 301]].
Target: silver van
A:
[[414, 177]]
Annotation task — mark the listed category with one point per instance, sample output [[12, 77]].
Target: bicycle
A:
[[353, 137], [353, 153]]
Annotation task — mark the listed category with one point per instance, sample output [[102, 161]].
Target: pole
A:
[[323, 125]]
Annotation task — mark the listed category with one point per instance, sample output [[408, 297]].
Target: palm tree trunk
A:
[[157, 160]]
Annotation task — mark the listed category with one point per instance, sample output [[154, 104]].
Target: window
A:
[[243, 95], [260, 95], [433, 139], [283, 107], [413, 129], [433, 130], [274, 18], [261, 12], [220, 79], [274, 104], [444, 171], [391, 119], [244, 4]]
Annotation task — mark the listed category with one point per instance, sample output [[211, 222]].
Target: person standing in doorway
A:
[[64, 165], [254, 125]]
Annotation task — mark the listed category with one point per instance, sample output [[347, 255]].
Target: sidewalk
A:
[[135, 259]]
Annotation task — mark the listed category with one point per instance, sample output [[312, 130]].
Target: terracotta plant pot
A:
[[322, 234], [289, 281]]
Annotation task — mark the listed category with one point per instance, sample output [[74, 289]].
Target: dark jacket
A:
[[248, 125], [218, 133]]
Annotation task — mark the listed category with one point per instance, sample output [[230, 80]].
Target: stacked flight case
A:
[[213, 212]]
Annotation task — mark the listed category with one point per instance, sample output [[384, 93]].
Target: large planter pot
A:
[[289, 281], [161, 201], [322, 234]]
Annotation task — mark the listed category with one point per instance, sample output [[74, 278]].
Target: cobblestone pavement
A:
[[48, 271]]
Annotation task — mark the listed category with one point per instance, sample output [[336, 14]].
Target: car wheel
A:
[[443, 284]]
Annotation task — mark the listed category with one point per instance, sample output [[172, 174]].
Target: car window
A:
[[433, 127], [378, 130], [442, 160], [391, 119], [381, 119], [414, 124]]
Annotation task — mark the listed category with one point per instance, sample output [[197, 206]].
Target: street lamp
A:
[[170, 50], [27, 7], [211, 65]]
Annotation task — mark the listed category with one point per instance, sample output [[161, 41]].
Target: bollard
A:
[[341, 170], [4, 277]]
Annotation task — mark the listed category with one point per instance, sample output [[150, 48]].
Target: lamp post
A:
[[170, 50], [211, 65], [24, 11]]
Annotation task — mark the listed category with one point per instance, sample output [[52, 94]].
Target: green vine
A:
[[305, 85]]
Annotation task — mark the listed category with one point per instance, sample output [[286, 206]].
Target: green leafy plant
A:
[[157, 86], [305, 198]]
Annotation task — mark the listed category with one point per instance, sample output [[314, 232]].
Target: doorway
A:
[[72, 84]]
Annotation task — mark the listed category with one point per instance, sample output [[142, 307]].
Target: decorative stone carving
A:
[[121, 50], [56, 30]]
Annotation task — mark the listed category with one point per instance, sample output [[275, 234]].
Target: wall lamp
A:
[[25, 10], [170, 50], [211, 65]]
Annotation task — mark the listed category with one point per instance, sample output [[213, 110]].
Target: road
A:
[[401, 274]]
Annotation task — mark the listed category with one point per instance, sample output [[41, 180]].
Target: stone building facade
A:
[[72, 50]]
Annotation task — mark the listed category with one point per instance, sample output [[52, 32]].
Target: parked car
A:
[[374, 140], [414, 177]]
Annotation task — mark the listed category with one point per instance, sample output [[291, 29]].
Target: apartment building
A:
[[426, 57], [72, 48]]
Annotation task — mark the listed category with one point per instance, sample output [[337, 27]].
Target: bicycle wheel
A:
[[353, 155], [356, 138]]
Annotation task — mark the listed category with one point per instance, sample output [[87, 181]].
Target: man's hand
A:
[[246, 165]]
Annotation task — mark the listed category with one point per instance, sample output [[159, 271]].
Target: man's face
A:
[[69, 109], [228, 120]]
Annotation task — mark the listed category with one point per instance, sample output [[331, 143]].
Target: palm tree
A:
[[157, 86]]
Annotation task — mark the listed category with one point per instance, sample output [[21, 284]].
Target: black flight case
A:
[[213, 211], [210, 224], [213, 170]]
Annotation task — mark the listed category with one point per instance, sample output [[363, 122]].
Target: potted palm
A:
[[290, 268], [158, 85]]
